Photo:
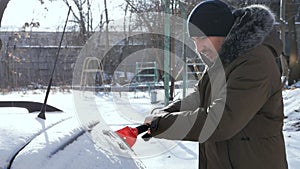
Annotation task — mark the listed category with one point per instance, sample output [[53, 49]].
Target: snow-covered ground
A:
[[82, 136]]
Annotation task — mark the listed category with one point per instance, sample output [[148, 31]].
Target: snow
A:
[[60, 141], [82, 136]]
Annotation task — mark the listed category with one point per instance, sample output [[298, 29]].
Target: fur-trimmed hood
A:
[[252, 25]]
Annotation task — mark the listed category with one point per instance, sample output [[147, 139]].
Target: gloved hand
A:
[[147, 121]]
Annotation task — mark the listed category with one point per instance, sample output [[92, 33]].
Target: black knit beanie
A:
[[210, 18]]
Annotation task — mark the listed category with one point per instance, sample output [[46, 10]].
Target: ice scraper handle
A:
[[146, 137], [143, 128]]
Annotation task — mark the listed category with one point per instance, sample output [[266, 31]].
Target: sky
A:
[[51, 15]]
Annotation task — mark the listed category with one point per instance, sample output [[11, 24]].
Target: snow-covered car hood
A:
[[27, 141]]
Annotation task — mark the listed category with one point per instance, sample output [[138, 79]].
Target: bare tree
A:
[[294, 65], [150, 16], [83, 17]]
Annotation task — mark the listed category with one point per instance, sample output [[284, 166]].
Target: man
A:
[[238, 120]]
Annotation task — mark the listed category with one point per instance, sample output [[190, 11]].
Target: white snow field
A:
[[82, 136]]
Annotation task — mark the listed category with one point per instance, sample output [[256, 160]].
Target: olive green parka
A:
[[236, 113]]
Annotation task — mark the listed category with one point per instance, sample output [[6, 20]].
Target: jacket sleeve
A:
[[177, 116], [177, 125], [176, 120], [246, 92]]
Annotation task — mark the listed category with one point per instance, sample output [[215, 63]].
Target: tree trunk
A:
[[293, 59]]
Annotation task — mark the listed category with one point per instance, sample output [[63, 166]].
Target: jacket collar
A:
[[252, 24]]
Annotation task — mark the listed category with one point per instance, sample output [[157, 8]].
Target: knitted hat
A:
[[210, 18]]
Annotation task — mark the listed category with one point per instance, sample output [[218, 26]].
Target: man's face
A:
[[208, 46]]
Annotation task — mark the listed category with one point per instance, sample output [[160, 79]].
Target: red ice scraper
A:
[[129, 134]]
